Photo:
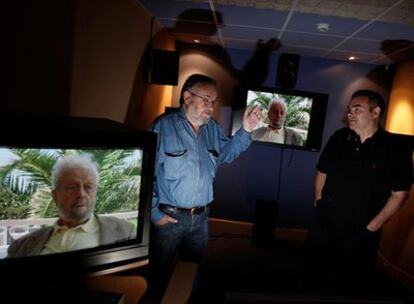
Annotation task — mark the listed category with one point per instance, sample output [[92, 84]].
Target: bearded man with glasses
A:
[[190, 148]]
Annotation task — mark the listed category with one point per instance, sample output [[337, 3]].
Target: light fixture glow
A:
[[196, 41], [401, 117], [351, 58]]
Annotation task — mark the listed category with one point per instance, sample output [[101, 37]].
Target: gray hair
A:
[[194, 80], [278, 101], [69, 162]]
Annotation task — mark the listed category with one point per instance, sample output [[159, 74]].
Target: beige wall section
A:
[[110, 37], [156, 98], [396, 250], [400, 117], [397, 241], [192, 62]]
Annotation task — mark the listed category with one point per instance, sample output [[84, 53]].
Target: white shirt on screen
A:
[[274, 135], [66, 239]]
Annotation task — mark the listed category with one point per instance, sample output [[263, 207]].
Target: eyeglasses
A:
[[206, 100], [74, 187]]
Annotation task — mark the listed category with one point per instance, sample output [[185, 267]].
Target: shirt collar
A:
[[90, 226], [274, 129], [379, 133], [181, 114]]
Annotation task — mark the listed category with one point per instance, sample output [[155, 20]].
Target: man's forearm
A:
[[394, 202], [319, 183]]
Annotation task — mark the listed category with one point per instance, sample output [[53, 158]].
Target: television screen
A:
[[124, 160], [289, 117], [28, 204]]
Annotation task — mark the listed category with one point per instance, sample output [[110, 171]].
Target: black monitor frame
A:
[[64, 132], [317, 115]]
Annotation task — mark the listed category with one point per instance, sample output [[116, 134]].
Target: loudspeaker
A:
[[163, 66], [287, 70]]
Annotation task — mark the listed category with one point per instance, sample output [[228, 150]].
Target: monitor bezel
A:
[[75, 133], [317, 115]]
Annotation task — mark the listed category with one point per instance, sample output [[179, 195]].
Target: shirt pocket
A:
[[174, 163]]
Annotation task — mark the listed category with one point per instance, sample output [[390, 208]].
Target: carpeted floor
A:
[[235, 271]]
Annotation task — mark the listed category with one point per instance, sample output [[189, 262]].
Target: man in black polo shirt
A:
[[364, 175]]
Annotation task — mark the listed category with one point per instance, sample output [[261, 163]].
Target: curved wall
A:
[[397, 242]]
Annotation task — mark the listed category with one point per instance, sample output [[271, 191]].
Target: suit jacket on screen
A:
[[112, 230]]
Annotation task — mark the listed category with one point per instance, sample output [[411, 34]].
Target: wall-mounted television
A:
[[290, 118], [29, 147]]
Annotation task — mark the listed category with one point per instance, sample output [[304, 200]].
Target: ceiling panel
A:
[[383, 30], [303, 39], [251, 17], [359, 57], [248, 33], [400, 14], [172, 8], [338, 26], [308, 52], [240, 44], [376, 31], [362, 45]]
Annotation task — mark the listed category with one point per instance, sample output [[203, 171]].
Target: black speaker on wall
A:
[[162, 67], [287, 70]]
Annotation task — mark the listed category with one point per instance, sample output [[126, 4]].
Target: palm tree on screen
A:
[[298, 112], [26, 181]]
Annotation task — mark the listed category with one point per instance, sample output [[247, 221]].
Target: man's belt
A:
[[174, 210]]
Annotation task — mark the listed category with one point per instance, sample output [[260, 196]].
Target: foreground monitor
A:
[[303, 116], [125, 160]]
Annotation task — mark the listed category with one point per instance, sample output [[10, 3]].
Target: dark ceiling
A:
[[373, 31]]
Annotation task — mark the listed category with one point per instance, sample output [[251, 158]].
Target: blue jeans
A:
[[185, 240]]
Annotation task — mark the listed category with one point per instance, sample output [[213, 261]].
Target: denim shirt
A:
[[186, 162]]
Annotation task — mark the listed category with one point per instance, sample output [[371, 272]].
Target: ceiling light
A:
[[323, 27], [196, 41], [352, 58]]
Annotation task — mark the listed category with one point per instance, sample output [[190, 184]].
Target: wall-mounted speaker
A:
[[287, 70], [163, 67]]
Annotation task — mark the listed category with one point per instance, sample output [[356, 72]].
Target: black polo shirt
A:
[[360, 178]]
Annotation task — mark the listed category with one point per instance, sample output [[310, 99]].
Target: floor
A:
[[235, 271], [239, 269]]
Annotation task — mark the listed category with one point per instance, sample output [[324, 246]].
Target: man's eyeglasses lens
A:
[[206, 100]]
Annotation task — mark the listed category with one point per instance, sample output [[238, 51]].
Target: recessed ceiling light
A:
[[196, 41], [352, 58]]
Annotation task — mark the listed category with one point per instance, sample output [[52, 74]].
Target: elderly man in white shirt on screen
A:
[[276, 131], [75, 181]]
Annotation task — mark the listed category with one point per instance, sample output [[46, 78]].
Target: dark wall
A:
[[255, 174], [36, 57]]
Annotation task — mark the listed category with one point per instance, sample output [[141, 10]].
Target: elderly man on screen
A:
[[276, 131], [75, 182]]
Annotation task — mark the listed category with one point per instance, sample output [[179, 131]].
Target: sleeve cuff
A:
[[244, 135]]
